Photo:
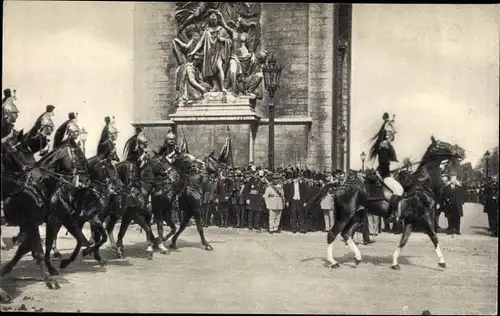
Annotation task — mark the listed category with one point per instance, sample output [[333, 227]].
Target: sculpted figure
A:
[[215, 47], [181, 47], [190, 81], [193, 12], [244, 73]]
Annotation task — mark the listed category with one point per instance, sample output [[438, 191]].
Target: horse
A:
[[193, 174], [24, 205], [154, 181], [103, 179], [353, 199]]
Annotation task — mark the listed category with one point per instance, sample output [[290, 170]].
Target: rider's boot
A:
[[394, 208]]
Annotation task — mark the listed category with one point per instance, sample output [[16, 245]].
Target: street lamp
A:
[[363, 157], [83, 137], [272, 72], [486, 161]]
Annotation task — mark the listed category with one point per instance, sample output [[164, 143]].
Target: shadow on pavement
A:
[[27, 273]]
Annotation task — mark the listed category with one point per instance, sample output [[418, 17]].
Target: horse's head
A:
[[16, 156], [440, 151], [213, 164], [105, 172]]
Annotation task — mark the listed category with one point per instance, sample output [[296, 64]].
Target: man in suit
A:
[[224, 195], [254, 191], [454, 195], [490, 202], [295, 192]]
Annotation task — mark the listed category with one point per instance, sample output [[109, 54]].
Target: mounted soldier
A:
[[135, 148], [42, 130], [106, 148], [169, 146], [67, 157], [383, 149], [10, 112]]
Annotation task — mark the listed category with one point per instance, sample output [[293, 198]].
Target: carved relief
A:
[[217, 48]]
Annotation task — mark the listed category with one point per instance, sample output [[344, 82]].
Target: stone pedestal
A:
[[205, 126]]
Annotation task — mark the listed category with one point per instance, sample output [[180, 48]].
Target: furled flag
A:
[[183, 148], [226, 153]]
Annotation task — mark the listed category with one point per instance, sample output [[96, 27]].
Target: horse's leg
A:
[[407, 229], [51, 229], [184, 220], [332, 234], [38, 255], [4, 246], [127, 218], [100, 238], [143, 223], [158, 206], [57, 253], [23, 249], [110, 223], [73, 228], [428, 226], [349, 230], [167, 216]]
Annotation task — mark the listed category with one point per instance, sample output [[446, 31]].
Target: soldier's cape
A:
[[38, 123], [131, 142], [61, 131]]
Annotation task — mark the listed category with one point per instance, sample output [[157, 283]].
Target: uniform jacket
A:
[[254, 190], [225, 190], [274, 200]]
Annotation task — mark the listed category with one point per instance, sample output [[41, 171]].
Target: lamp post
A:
[[272, 72], [343, 138], [83, 137], [363, 157], [486, 162]]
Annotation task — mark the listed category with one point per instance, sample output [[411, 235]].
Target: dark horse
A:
[[24, 205], [104, 180], [192, 174], [422, 191]]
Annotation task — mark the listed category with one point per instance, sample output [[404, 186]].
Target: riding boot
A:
[[394, 208]]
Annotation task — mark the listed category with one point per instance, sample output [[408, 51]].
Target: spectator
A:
[[274, 199], [327, 205]]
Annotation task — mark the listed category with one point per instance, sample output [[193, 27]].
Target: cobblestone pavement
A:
[[258, 272]]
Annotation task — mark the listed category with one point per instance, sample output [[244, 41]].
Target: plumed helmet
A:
[[112, 126], [170, 135], [46, 120], [141, 138], [72, 127], [9, 106], [50, 108], [385, 116]]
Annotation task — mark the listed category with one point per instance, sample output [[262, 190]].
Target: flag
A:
[[183, 148], [226, 153]]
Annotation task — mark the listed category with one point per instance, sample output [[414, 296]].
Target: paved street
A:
[[258, 272]]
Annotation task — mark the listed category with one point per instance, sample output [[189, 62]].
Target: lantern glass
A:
[[363, 156], [487, 154]]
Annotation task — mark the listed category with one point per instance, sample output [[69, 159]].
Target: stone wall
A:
[[299, 34]]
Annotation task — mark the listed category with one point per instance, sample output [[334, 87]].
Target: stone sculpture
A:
[[218, 52]]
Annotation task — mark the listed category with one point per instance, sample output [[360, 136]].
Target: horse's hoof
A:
[[52, 284], [85, 252], [53, 271], [64, 263], [4, 297], [336, 265], [442, 264], [164, 252], [173, 246], [57, 254], [102, 263], [396, 267], [209, 248], [357, 261]]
